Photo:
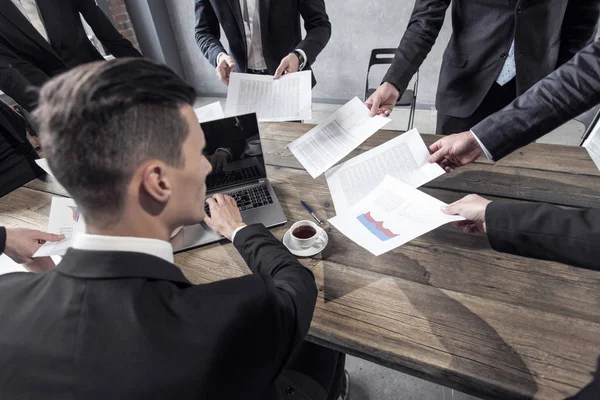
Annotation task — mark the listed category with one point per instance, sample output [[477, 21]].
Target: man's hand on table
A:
[[225, 216], [455, 151], [21, 245], [472, 208]]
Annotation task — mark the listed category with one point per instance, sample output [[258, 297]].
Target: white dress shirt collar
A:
[[154, 247], [31, 11]]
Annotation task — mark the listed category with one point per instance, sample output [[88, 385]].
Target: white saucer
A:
[[253, 153], [316, 248]]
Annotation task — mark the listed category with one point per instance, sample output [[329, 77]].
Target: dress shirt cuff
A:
[[228, 151], [485, 151], [239, 228], [2, 239], [219, 56], [301, 66]]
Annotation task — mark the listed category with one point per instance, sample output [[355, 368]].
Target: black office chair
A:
[[408, 98]]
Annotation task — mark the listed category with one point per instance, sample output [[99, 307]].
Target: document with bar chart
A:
[[393, 214]]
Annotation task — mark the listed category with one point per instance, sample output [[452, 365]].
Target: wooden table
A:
[[444, 307]]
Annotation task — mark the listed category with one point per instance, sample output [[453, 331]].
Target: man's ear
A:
[[155, 182]]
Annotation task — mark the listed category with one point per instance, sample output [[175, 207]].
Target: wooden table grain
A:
[[444, 307]]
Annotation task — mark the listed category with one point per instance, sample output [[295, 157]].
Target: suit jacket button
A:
[[289, 390], [503, 55], [519, 10]]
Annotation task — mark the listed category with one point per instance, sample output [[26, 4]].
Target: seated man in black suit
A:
[[264, 37], [116, 318], [40, 39]]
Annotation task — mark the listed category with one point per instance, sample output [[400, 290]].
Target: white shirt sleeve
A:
[[485, 151], [301, 66], [236, 231]]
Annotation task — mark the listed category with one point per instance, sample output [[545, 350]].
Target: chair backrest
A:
[[381, 56]]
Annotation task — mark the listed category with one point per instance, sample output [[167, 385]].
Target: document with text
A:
[[288, 98], [403, 158], [209, 112], [329, 142], [391, 215], [65, 219], [592, 144], [43, 164]]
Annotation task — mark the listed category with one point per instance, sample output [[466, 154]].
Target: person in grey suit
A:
[[498, 50]]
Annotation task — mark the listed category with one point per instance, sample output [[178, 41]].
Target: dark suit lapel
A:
[[237, 13], [14, 16]]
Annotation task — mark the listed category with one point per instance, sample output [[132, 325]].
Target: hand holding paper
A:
[[65, 219], [392, 215], [327, 143]]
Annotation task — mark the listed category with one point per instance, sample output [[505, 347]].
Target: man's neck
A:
[[131, 229]]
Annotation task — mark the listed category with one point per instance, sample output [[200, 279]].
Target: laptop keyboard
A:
[[247, 199], [235, 176]]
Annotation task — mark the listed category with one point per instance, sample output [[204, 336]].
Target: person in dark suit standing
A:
[[532, 230], [264, 35], [498, 50], [116, 318], [40, 39]]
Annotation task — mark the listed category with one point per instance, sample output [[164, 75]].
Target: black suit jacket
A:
[[17, 156], [280, 30], [546, 33], [566, 93], [27, 59], [548, 232], [108, 325]]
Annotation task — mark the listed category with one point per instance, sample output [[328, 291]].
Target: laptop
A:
[[239, 173]]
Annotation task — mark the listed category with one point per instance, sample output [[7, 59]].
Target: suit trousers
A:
[[496, 99]]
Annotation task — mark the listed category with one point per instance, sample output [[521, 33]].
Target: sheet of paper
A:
[[592, 144], [209, 112], [327, 143], [65, 219], [287, 99], [43, 164], [403, 158], [390, 216]]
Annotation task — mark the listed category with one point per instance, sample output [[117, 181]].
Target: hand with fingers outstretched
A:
[[225, 216], [383, 100], [472, 208], [455, 151]]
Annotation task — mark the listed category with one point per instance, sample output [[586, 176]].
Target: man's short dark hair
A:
[[100, 121]]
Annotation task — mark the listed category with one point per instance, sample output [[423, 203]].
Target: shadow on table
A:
[[478, 336]]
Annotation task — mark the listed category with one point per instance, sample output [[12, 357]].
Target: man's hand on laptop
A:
[[225, 216]]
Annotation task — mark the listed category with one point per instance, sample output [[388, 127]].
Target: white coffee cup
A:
[[302, 241], [254, 147]]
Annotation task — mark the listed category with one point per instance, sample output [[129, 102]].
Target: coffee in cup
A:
[[254, 147], [304, 233]]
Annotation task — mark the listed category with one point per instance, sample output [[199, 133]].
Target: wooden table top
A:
[[444, 307]]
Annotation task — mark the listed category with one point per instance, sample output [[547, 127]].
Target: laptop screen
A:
[[234, 149]]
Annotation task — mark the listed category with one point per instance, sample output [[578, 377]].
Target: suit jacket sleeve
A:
[[578, 28], [295, 291], [116, 44], [545, 232], [423, 28], [12, 81], [317, 26], [562, 95], [208, 31], [2, 239]]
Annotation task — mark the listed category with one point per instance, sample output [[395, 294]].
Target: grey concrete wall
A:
[[357, 27]]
